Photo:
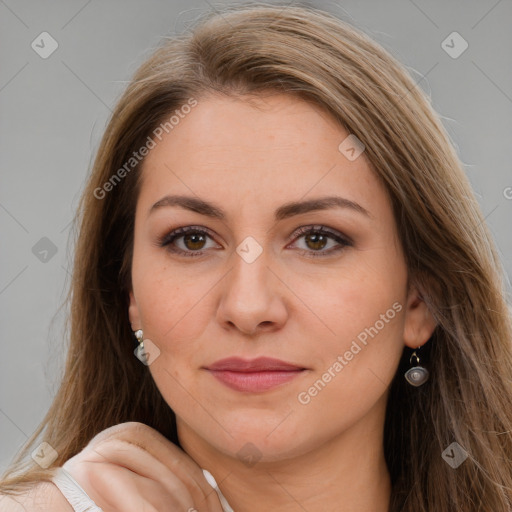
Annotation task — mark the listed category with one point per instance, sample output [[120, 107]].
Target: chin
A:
[[260, 440]]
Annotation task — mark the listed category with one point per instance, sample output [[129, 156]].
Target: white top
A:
[[72, 491], [81, 502]]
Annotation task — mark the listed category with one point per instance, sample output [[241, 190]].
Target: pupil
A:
[[196, 238], [317, 239]]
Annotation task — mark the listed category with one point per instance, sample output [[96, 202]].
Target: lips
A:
[[261, 364], [256, 375]]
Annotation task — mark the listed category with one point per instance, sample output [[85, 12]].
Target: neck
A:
[[348, 473]]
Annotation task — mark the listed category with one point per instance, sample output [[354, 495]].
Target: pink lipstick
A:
[[255, 375]]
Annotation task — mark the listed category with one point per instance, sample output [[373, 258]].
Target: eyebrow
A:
[[283, 212]]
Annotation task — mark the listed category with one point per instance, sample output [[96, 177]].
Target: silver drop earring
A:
[[140, 338], [417, 375]]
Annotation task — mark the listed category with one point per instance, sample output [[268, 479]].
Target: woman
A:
[[282, 278]]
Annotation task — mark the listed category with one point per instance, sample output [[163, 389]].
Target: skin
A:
[[249, 157]]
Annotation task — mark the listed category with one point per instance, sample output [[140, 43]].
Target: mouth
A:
[[256, 375]]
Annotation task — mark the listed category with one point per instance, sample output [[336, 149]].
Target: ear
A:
[[133, 313], [419, 321]]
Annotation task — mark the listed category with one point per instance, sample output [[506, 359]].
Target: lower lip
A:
[[254, 382]]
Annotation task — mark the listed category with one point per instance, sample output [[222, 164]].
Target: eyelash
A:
[[168, 239]]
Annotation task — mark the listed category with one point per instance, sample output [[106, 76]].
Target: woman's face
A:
[[249, 281]]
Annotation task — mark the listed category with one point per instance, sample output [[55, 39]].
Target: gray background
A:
[[53, 112]]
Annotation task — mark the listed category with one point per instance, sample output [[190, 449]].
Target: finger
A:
[[122, 453], [115, 475], [170, 455], [118, 489]]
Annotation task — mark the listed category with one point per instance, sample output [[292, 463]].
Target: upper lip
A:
[[268, 364]]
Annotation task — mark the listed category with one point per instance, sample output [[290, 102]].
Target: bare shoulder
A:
[[43, 496]]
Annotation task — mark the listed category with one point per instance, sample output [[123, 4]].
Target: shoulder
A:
[[42, 497]]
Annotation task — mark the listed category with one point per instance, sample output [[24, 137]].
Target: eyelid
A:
[[183, 230], [322, 228]]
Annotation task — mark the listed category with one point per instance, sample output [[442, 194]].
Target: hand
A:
[[131, 467]]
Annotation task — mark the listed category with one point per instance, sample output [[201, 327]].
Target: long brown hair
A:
[[450, 254]]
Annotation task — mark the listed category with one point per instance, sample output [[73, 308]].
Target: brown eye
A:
[[188, 241], [316, 241], [316, 238], [193, 241]]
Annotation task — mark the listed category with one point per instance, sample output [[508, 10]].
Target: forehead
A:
[[236, 149]]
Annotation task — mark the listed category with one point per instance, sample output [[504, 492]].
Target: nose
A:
[[253, 296]]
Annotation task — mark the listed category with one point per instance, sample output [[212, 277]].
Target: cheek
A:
[[368, 340], [355, 367], [164, 296], [173, 318], [168, 314], [174, 313], [361, 326], [352, 300]]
